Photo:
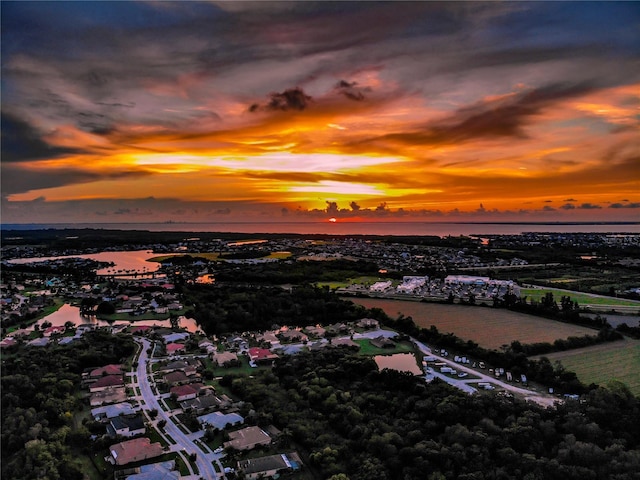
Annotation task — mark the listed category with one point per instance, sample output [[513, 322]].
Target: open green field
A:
[[162, 258], [602, 363], [488, 327], [367, 281], [581, 298], [214, 256], [370, 350]]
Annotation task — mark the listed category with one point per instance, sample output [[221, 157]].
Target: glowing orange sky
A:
[[304, 117]]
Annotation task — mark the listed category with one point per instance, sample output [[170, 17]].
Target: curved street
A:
[[184, 446]]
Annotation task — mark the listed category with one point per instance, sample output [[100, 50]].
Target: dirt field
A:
[[490, 328], [602, 363]]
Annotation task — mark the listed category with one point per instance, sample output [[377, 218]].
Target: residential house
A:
[[108, 381], [207, 346], [109, 395], [135, 450], [220, 420], [269, 466], [110, 411], [184, 392], [315, 331], [202, 403], [293, 336], [39, 342], [368, 323], [8, 342], [54, 330], [224, 358], [175, 337], [347, 342], [247, 438], [262, 356], [268, 337], [155, 471], [173, 348], [125, 426], [176, 378], [382, 342], [91, 376]]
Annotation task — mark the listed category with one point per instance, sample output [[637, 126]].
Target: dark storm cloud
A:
[[22, 142], [351, 90], [568, 206], [625, 205], [505, 117], [17, 179], [290, 99], [589, 206]]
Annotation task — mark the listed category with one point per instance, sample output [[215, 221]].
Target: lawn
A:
[[581, 298], [367, 281], [369, 350], [488, 327], [603, 363]]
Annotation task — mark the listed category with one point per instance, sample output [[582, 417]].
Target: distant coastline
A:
[[440, 229]]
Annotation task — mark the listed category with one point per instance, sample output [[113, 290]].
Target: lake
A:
[[135, 261]]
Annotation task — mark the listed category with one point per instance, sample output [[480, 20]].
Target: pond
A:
[[402, 362], [70, 313]]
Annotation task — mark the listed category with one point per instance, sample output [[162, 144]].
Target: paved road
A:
[[545, 400], [183, 443]]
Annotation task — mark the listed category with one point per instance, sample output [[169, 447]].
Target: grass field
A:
[[366, 281], [488, 327], [367, 349], [214, 256], [581, 298], [602, 363]]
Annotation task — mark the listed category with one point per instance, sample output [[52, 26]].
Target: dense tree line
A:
[[39, 400], [300, 272], [351, 419], [224, 309]]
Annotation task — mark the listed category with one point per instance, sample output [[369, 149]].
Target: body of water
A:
[[402, 362], [136, 261], [69, 313], [353, 228]]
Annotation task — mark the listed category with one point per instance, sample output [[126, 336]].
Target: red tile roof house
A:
[[174, 348], [140, 329], [262, 355], [54, 330], [108, 381], [135, 450], [97, 373], [184, 392]]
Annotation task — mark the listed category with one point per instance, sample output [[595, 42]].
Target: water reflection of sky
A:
[[130, 261], [403, 362], [69, 313]]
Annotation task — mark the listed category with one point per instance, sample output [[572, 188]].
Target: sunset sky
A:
[[300, 111]]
